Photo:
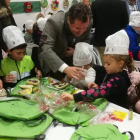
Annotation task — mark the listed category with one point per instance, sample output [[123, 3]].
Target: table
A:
[[64, 133]]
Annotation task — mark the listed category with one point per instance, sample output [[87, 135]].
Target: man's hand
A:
[[69, 52], [92, 85], [10, 78], [75, 73], [38, 73]]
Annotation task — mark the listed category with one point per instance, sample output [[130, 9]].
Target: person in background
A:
[[107, 19], [82, 58], [62, 31], [6, 15], [132, 5], [87, 2], [6, 18], [116, 82], [29, 30], [37, 29], [37, 32], [39, 16], [16, 59], [133, 31]]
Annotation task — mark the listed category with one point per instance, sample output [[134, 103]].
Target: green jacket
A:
[[23, 68]]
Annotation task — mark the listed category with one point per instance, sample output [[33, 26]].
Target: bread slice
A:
[[34, 82], [22, 92], [60, 85], [25, 86]]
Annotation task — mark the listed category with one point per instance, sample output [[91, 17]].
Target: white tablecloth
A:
[[64, 133]]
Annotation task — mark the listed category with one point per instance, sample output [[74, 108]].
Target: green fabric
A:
[[18, 7], [8, 65], [45, 89], [23, 82], [19, 109], [125, 137], [97, 132], [68, 116], [8, 139], [21, 130]]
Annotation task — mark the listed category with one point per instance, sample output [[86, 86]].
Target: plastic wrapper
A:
[[40, 98], [56, 102], [103, 117], [86, 107], [47, 99]]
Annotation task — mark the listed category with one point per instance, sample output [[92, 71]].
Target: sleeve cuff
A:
[[78, 97], [62, 68]]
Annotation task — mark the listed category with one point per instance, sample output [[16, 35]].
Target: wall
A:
[[21, 18]]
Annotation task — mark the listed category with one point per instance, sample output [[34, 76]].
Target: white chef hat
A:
[[47, 16], [29, 24], [134, 19], [41, 23], [117, 43], [13, 37], [82, 54]]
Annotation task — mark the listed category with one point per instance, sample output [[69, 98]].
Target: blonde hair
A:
[[128, 61]]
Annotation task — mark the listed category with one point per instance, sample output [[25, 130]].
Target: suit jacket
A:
[[53, 43], [138, 2], [109, 16]]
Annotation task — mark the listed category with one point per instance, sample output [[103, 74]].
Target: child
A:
[[82, 58], [37, 29], [133, 31], [116, 82], [16, 60], [29, 30], [37, 32]]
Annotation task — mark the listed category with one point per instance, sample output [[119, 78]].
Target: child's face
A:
[[17, 54], [87, 2], [111, 65]]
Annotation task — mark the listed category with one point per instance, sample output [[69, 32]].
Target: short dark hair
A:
[[22, 46], [79, 11]]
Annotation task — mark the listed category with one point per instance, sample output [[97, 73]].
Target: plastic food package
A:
[[56, 102], [102, 117], [85, 107], [47, 100]]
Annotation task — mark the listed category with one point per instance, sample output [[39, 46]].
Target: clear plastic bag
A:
[[86, 107], [103, 117], [56, 102]]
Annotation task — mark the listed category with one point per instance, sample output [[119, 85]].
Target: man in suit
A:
[[109, 16], [62, 31]]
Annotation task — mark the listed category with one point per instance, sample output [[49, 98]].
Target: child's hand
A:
[[66, 96], [92, 85], [10, 78], [38, 73], [1, 84]]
